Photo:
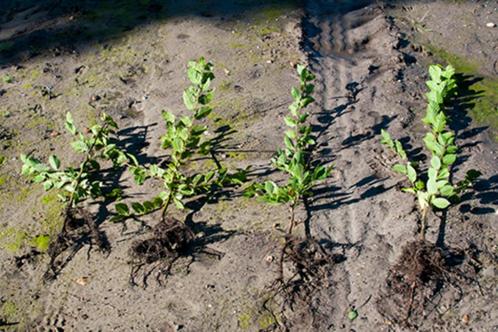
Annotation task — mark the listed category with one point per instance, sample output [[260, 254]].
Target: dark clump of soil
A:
[[171, 240], [424, 277], [309, 268], [79, 229]]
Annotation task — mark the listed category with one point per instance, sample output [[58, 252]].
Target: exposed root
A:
[[294, 292], [171, 241], [416, 284], [79, 229]]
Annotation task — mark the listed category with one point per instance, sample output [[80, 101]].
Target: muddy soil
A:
[[128, 59]]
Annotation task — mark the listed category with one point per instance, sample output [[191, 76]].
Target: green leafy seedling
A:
[[294, 160], [434, 189], [352, 314], [184, 139], [76, 184], [8, 78]]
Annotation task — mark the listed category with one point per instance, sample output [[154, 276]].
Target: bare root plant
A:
[[416, 281], [187, 141], [309, 262], [76, 186]]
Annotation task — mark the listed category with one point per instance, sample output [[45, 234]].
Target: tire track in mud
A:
[[338, 73], [343, 40]]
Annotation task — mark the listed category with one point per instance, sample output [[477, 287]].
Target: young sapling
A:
[[434, 189], [294, 159], [184, 139], [77, 184]]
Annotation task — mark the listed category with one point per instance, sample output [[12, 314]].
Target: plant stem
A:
[[165, 207], [292, 220], [287, 241], [423, 223], [216, 161], [77, 180]]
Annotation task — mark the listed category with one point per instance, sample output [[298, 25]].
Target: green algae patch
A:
[[12, 239], [266, 320], [23, 194], [244, 321], [39, 235], [52, 222], [35, 74], [253, 316], [39, 121], [9, 310], [276, 10], [461, 65], [485, 109]]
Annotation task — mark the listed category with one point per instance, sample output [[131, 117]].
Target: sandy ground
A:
[[370, 62]]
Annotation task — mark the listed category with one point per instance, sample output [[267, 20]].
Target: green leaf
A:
[[288, 143], [431, 186], [178, 144], [419, 185], [411, 173], [270, 187], [189, 100], [440, 203], [47, 185], [294, 108], [80, 146], [39, 178], [168, 117], [194, 76], [435, 72], [289, 121], [447, 191], [148, 206], [296, 94], [122, 209], [320, 173], [306, 101], [432, 173], [54, 162], [70, 124], [451, 149], [178, 203], [352, 314], [472, 175], [399, 168], [300, 69], [400, 150], [109, 121], [449, 159], [291, 134], [138, 208], [157, 201], [409, 190], [303, 117], [203, 112], [386, 138], [436, 162], [187, 121]]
